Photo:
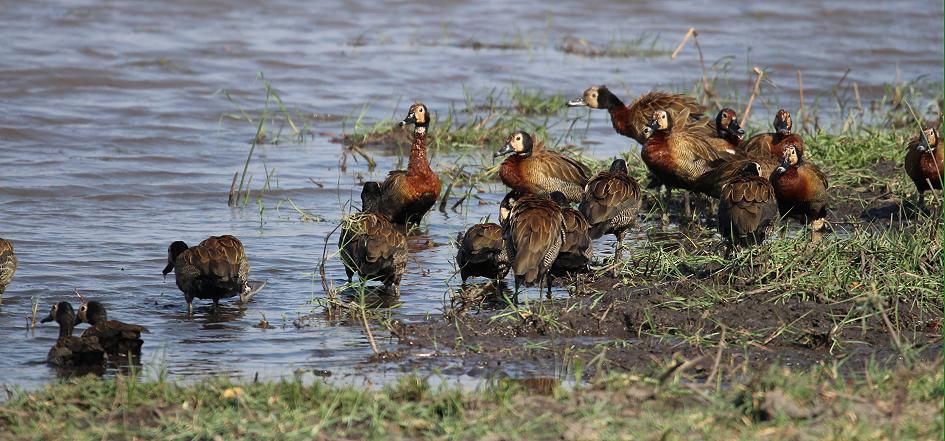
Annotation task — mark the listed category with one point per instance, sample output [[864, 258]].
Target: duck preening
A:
[[611, 203], [216, 268], [71, 351], [800, 188], [532, 169], [370, 245], [924, 164], [631, 121], [533, 234], [482, 253], [407, 195], [120, 341], [7, 264], [748, 210]]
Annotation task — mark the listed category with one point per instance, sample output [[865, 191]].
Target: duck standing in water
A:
[[481, 252], [7, 264], [533, 234], [576, 247], [532, 169], [120, 341], [801, 189], [370, 245], [407, 195], [748, 210], [216, 268], [71, 351], [923, 163], [611, 203]]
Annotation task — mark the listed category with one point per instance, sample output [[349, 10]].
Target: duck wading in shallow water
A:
[[407, 195], [533, 234], [481, 252], [532, 169], [576, 250], [611, 203], [121, 341], [71, 351], [801, 189], [923, 163], [7, 264], [215, 269], [371, 246]]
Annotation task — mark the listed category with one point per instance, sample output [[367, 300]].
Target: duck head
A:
[[619, 166], [418, 115], [560, 199], [92, 313], [782, 122], [790, 158], [928, 140], [726, 123], [173, 251], [596, 97], [519, 143], [370, 196], [507, 204], [63, 314], [660, 121]]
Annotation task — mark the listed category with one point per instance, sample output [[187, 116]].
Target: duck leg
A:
[[687, 209], [548, 283], [190, 308], [664, 217]]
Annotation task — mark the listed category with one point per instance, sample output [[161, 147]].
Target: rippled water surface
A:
[[114, 140]]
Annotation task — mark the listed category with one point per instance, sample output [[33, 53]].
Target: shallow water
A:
[[114, 144]]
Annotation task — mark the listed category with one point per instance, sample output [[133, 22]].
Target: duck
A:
[[728, 129], [748, 209], [766, 145], [801, 189], [923, 163], [481, 252], [120, 341], [7, 264], [407, 195], [712, 182], [611, 203], [677, 156], [371, 245], [533, 234], [631, 121], [532, 169], [71, 351], [576, 247], [216, 268]]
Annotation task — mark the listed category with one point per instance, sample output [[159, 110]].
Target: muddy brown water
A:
[[113, 144]]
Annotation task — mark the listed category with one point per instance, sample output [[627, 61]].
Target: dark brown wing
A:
[[576, 238], [712, 181], [536, 230], [7, 264], [694, 156], [220, 257], [482, 240], [552, 171], [609, 195], [384, 240], [758, 146], [748, 207]]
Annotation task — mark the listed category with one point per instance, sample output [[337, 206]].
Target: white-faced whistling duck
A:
[[482, 253], [766, 145], [924, 163], [533, 234], [407, 195], [748, 210], [576, 249], [371, 245], [7, 264], [728, 128], [71, 351], [801, 189], [611, 202], [532, 169], [216, 268], [120, 340]]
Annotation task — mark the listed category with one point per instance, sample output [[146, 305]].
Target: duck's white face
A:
[[931, 137], [790, 155], [660, 120], [517, 142], [590, 97]]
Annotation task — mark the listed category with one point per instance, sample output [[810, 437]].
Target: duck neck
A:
[[419, 164], [65, 329]]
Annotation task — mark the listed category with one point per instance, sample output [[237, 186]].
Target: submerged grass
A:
[[659, 402]]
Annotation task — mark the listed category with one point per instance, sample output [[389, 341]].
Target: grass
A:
[[659, 402]]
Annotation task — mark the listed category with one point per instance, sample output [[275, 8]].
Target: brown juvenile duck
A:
[[70, 351], [371, 245], [772, 144], [533, 235], [631, 121], [407, 195], [7, 264], [748, 209], [677, 155], [576, 250], [801, 189], [611, 202], [214, 269], [924, 163], [482, 253], [120, 340], [532, 169]]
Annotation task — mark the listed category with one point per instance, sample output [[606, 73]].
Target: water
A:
[[113, 144]]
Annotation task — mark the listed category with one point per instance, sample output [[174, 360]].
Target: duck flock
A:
[[540, 235]]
